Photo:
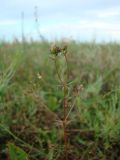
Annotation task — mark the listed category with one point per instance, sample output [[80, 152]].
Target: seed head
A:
[[64, 49], [77, 89], [55, 50]]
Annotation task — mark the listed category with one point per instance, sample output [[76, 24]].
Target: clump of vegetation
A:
[[50, 120]]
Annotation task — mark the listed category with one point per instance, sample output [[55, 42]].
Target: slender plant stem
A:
[[72, 106], [59, 76], [65, 55], [64, 123], [64, 85]]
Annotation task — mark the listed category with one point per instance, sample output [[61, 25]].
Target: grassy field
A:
[[32, 99]]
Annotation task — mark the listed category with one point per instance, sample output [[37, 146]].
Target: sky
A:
[[83, 20]]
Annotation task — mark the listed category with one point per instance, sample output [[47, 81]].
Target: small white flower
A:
[[39, 76]]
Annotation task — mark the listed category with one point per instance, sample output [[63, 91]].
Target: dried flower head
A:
[[78, 88], [55, 50], [64, 49]]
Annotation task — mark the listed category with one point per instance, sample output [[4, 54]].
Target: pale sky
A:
[[77, 19]]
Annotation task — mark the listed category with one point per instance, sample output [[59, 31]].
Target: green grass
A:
[[30, 105]]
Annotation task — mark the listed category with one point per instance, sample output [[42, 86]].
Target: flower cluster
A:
[[56, 50]]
